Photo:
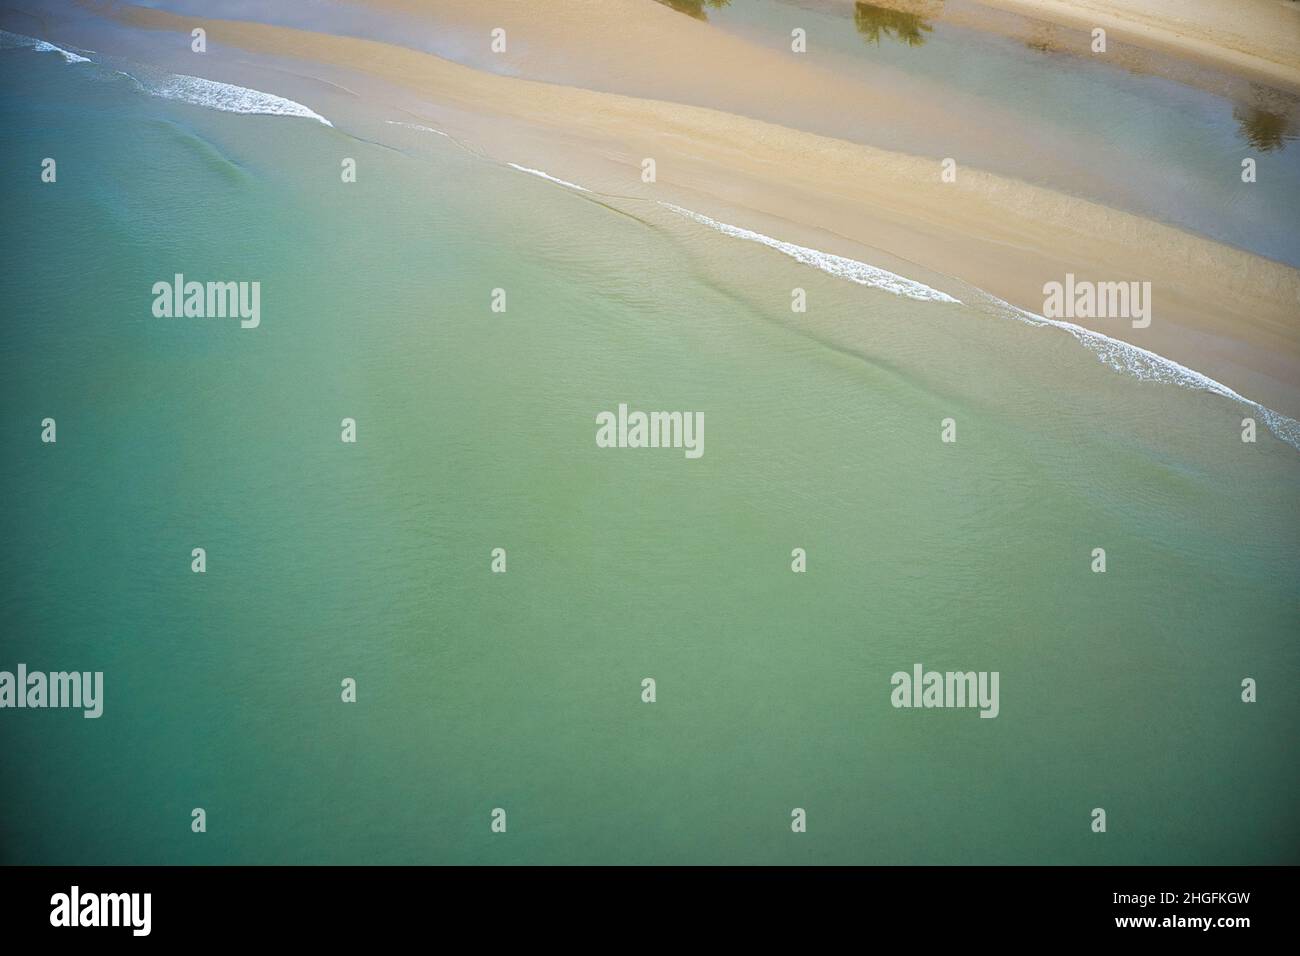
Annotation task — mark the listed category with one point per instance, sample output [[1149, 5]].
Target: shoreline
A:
[[1260, 38], [1227, 314]]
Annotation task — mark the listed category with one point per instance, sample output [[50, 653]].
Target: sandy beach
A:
[[1221, 311], [1259, 37]]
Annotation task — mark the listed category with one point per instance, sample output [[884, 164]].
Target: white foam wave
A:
[[415, 126], [189, 89], [538, 172], [12, 41], [229, 98], [1124, 357], [1148, 366], [844, 268]]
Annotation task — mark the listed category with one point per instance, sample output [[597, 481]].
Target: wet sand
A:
[[1259, 37]]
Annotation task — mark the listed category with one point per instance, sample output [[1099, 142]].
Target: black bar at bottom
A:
[[215, 904]]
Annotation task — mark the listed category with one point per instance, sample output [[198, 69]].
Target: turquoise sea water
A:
[[476, 431]]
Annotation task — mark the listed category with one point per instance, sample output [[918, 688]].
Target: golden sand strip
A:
[[1222, 311], [1258, 37]]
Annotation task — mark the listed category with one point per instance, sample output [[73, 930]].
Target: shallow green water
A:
[[476, 430]]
